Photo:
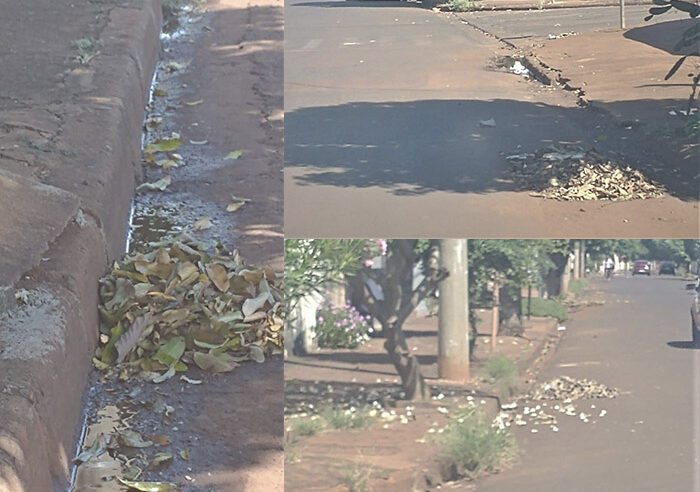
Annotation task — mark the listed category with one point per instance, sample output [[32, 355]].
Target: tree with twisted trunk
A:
[[390, 297]]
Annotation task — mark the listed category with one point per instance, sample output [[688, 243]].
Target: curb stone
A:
[[47, 341]]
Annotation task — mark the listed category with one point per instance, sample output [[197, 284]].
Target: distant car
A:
[[641, 267], [695, 314], [667, 267]]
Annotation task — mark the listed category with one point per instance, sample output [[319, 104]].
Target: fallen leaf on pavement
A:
[[233, 155], [159, 185], [203, 224]]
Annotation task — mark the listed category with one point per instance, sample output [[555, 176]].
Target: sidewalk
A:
[[69, 156], [396, 457], [548, 4]]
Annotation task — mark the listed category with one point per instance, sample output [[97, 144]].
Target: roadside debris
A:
[[569, 172], [179, 305], [565, 388]]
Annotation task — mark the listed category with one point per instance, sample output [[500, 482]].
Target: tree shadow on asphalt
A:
[[664, 36], [413, 148], [684, 345]]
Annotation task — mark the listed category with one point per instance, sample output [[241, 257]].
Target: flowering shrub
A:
[[341, 326]]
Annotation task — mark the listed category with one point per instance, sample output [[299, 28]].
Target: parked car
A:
[[695, 314], [641, 267], [667, 267]]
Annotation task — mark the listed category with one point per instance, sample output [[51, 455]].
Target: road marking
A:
[[312, 44], [585, 363]]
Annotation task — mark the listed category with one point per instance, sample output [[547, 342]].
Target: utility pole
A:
[[577, 258], [622, 14], [582, 273], [565, 276], [453, 324]]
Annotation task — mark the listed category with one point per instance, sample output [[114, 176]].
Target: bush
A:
[[472, 446], [341, 327], [307, 427], [546, 308], [500, 367]]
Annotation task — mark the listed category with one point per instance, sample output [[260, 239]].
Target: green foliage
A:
[[356, 477], [87, 49], [546, 308], [307, 426], [666, 249], [516, 261], [577, 285], [503, 373], [599, 249], [309, 264], [472, 446], [340, 418], [500, 367], [460, 5], [341, 327]]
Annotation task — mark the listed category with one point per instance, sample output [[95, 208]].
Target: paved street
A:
[[649, 440], [383, 133], [542, 23]]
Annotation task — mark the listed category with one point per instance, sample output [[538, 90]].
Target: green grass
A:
[[307, 427], [87, 49], [471, 447], [547, 308], [356, 477], [460, 5], [503, 374], [578, 285], [338, 418]]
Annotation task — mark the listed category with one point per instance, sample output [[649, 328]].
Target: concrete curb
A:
[[47, 340], [506, 5]]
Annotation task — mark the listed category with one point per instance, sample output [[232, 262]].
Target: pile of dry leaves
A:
[[566, 388], [569, 172], [178, 305]]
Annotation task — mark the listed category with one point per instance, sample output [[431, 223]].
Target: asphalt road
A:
[[528, 24], [383, 135], [649, 440]]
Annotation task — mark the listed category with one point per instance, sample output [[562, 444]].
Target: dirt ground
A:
[[396, 451]]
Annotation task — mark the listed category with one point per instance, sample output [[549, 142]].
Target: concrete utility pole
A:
[[622, 14], [565, 276], [453, 325], [582, 273], [577, 258]]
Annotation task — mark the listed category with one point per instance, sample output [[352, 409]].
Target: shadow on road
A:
[[683, 345], [664, 36], [417, 147]]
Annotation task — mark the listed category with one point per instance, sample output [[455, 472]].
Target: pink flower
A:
[[368, 263], [382, 246]]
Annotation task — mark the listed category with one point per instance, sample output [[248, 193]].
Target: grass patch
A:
[[307, 427], [338, 418], [503, 374], [87, 49], [472, 447], [546, 308], [577, 285], [171, 7], [356, 477], [460, 5]]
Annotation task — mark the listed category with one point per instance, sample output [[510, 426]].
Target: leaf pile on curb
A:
[[566, 388], [569, 172], [178, 305]]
